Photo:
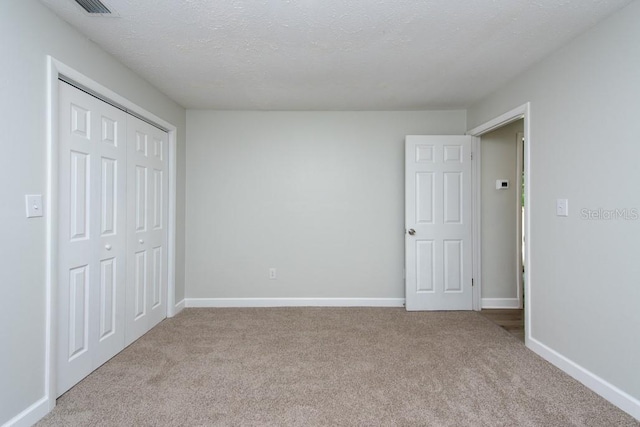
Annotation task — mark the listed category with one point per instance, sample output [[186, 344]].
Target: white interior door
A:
[[438, 223], [91, 234], [147, 235]]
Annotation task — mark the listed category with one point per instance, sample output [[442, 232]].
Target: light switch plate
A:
[[34, 205], [562, 207]]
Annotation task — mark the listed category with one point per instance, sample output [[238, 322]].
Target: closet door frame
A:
[[56, 70]]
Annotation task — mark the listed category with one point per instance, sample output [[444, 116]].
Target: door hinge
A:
[[471, 282], [472, 155]]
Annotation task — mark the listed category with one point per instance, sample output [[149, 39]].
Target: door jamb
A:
[[519, 213], [476, 200], [521, 112], [56, 68]]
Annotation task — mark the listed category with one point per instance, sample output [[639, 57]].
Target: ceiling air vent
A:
[[94, 7]]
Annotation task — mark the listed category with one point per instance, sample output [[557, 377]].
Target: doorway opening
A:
[[501, 164], [501, 226]]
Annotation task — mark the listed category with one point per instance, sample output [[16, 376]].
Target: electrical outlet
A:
[[273, 274]]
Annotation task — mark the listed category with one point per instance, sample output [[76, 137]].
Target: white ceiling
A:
[[333, 54]]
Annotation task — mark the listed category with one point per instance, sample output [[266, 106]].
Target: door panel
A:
[[140, 285], [78, 311], [438, 209], [425, 269], [109, 195], [452, 197], [424, 206], [453, 270], [141, 198], [80, 172], [158, 198], [146, 298], [91, 234], [156, 297], [108, 274]]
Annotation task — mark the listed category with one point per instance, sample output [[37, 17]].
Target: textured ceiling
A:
[[333, 54]]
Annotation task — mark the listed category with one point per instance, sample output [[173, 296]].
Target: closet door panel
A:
[[146, 235], [91, 234]]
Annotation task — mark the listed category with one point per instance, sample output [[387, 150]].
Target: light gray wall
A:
[[28, 32], [499, 212], [318, 195], [585, 147]]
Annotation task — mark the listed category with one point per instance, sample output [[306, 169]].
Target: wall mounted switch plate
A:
[[562, 207], [34, 205]]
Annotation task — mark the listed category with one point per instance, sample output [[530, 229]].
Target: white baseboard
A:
[[294, 302], [500, 303], [179, 306], [613, 394], [31, 415]]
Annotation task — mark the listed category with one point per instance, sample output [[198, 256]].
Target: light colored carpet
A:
[[330, 367]]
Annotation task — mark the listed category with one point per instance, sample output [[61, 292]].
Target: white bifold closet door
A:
[[112, 262]]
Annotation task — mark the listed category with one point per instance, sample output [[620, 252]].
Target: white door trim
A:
[[56, 68], [476, 200], [519, 224], [521, 112]]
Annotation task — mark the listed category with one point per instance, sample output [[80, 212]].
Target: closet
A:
[[112, 233]]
